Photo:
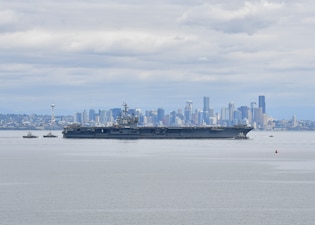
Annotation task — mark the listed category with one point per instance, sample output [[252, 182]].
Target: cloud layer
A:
[[97, 54]]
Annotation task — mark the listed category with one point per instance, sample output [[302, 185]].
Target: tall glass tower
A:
[[188, 112], [262, 103], [231, 111], [206, 109], [206, 104]]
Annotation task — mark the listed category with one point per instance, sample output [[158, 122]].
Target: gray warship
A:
[[127, 128]]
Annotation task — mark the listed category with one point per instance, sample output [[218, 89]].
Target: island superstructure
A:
[[127, 128]]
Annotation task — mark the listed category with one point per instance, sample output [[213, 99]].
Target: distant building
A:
[[78, 117], [172, 118], [237, 115], [294, 121], [201, 119], [262, 103], [102, 116], [188, 112], [206, 109], [258, 117], [166, 120], [160, 115], [116, 112], [223, 116], [92, 115], [244, 111], [231, 112], [85, 118]]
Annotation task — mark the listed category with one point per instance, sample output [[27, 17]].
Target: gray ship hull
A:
[[156, 132]]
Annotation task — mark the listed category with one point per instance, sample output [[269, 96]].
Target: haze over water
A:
[[158, 182]]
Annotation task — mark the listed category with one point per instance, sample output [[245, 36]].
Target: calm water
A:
[[158, 182]]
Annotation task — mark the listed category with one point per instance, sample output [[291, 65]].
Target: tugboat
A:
[[30, 135], [50, 135], [241, 136], [126, 128]]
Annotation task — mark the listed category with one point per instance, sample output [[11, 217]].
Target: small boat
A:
[[241, 136], [50, 135], [30, 135]]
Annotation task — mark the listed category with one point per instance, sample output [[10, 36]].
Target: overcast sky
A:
[[157, 53]]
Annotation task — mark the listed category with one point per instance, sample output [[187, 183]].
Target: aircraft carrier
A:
[[127, 128]]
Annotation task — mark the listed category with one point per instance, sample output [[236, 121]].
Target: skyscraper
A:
[[92, 115], [206, 104], [244, 110], [78, 117], [231, 111], [160, 114], [188, 112], [258, 117], [206, 109], [262, 103]]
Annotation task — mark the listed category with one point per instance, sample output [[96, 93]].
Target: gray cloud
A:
[[158, 53], [247, 18]]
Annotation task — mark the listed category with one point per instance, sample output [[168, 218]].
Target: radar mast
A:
[[52, 122]]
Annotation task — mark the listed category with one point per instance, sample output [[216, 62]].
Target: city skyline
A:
[[254, 114], [232, 115], [199, 106], [153, 54]]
